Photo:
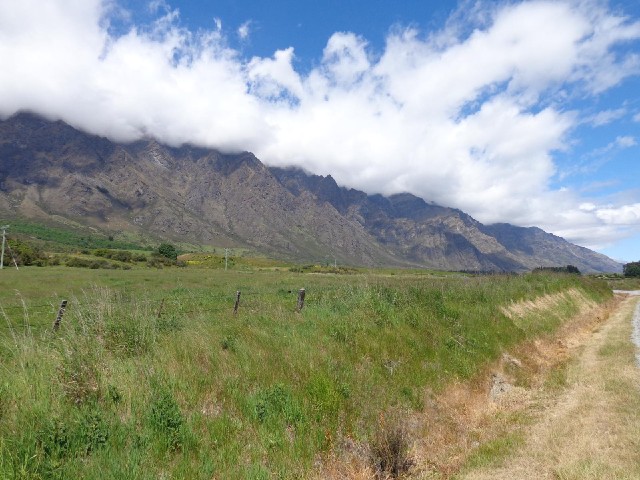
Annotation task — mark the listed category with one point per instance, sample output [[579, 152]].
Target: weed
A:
[[277, 403], [229, 342], [389, 448], [80, 371], [92, 430], [165, 417]]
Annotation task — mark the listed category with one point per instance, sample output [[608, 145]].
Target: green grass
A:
[[630, 283], [496, 451], [68, 236], [151, 375]]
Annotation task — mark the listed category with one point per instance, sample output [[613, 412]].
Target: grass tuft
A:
[[389, 448]]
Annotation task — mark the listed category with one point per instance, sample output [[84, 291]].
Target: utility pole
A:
[[226, 257], [4, 241]]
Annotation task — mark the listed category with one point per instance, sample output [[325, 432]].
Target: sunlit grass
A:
[[152, 375]]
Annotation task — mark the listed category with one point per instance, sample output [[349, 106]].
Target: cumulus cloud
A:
[[625, 215], [469, 116]]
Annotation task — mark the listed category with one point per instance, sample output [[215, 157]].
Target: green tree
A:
[[25, 254], [631, 269], [572, 269], [167, 250]]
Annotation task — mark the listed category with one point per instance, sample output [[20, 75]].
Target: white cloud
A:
[[624, 215], [625, 142], [621, 142], [244, 30], [606, 116], [272, 77], [158, 5], [469, 116]]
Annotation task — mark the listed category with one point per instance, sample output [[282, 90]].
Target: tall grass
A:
[[128, 390]]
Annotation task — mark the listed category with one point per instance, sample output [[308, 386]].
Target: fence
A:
[[60, 310]]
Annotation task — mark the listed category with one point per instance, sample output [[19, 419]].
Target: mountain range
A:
[[51, 172]]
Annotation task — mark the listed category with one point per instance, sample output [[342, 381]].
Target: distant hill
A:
[[51, 172]]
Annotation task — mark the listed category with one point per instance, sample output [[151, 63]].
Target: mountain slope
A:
[[444, 237], [51, 171]]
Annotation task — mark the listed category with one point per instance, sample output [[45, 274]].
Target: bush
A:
[[631, 269], [567, 269], [118, 255], [92, 264], [168, 251], [24, 253]]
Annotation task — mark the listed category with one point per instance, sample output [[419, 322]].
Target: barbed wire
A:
[[164, 306]]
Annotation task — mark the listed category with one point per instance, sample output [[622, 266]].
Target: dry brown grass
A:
[[590, 430], [547, 303]]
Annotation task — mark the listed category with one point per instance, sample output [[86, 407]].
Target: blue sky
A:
[[307, 26], [524, 112]]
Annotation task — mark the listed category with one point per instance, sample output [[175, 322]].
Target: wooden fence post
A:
[[301, 294], [63, 307], [237, 304]]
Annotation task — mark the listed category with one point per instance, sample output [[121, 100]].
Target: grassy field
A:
[[152, 376], [630, 283]]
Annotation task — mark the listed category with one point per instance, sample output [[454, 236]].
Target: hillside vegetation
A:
[[151, 375]]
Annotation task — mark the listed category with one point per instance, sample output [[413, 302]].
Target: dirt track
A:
[[591, 428]]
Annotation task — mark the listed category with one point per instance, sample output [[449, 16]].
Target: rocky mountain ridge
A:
[[50, 171]]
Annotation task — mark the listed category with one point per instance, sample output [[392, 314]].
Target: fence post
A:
[[237, 304], [63, 307], [301, 294]]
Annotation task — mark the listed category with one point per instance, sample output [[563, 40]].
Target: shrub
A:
[[92, 264], [632, 269], [566, 269], [25, 254], [168, 251]]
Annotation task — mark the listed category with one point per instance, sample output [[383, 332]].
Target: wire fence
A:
[[188, 303]]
